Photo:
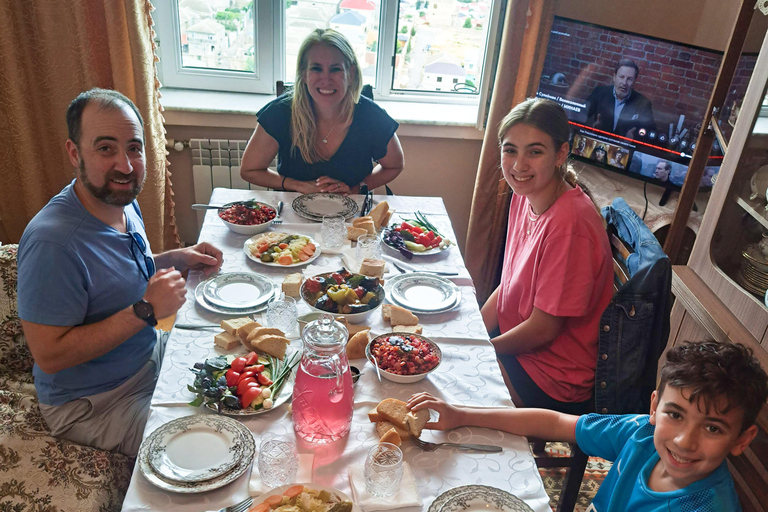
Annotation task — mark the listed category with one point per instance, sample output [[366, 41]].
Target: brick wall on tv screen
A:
[[678, 80]]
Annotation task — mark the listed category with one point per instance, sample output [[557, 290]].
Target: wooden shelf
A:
[[755, 208]]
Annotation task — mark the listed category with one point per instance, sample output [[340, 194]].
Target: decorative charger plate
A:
[[422, 292], [428, 252], [208, 485], [174, 448], [251, 241], [315, 206], [229, 311], [476, 498], [238, 290]]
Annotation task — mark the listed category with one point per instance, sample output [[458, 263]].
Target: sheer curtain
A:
[[523, 46], [51, 51]]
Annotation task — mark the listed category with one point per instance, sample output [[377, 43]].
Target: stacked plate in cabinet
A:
[[422, 293], [236, 293], [753, 274], [196, 453]]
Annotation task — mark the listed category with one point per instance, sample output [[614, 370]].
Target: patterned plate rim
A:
[[249, 276], [300, 207], [172, 428], [226, 311], [247, 252], [444, 498], [392, 282], [209, 485]]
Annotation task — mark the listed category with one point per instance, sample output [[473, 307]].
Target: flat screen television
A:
[[635, 103]]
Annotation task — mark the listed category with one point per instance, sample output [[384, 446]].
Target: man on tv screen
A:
[[618, 108], [663, 168]]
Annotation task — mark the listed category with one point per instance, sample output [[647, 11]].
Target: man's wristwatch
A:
[[146, 312]]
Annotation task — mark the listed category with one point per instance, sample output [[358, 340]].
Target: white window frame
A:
[[269, 60]]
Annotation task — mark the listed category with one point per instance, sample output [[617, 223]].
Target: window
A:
[[405, 47]]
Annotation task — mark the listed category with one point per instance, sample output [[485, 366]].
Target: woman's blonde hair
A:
[[303, 122]]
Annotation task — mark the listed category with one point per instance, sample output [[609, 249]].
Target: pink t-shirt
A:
[[564, 268]]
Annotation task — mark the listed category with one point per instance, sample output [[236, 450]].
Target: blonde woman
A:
[[327, 137], [557, 277]]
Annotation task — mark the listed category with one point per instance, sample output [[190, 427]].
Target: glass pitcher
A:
[[322, 394]]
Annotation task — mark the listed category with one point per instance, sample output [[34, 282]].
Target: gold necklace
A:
[[533, 217], [325, 139]]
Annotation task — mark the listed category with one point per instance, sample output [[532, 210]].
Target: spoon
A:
[[375, 365], [250, 204]]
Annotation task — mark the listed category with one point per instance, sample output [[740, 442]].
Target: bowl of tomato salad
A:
[[247, 217], [404, 357]]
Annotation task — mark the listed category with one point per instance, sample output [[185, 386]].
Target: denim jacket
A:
[[635, 326]]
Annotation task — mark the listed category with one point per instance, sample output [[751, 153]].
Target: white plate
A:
[[278, 491], [208, 485], [251, 241], [422, 292], [315, 206], [759, 183], [238, 290], [476, 498], [174, 449], [428, 252], [228, 311]]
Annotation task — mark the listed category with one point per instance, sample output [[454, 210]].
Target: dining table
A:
[[468, 375]]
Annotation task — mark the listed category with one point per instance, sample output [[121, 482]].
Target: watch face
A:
[[143, 310]]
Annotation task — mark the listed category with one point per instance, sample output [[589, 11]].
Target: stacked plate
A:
[[315, 206], [422, 293], [476, 498], [196, 453], [753, 274], [236, 293]]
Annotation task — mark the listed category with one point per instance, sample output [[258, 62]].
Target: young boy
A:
[[673, 460]]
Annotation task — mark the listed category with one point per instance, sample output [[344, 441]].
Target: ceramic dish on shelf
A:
[[249, 248], [315, 206], [238, 290], [200, 299], [755, 257], [174, 453], [422, 293], [239, 468], [759, 183], [476, 498], [278, 491]]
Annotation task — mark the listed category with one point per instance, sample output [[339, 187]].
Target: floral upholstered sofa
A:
[[39, 473]]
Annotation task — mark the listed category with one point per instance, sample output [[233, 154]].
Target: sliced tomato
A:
[[263, 379], [232, 377], [405, 226], [244, 376], [244, 384], [416, 229], [431, 235], [423, 240], [360, 291], [255, 368], [251, 359], [249, 395], [238, 364]]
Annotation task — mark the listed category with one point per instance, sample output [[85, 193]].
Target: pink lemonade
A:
[[322, 412]]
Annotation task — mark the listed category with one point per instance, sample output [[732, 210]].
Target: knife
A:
[[365, 207]]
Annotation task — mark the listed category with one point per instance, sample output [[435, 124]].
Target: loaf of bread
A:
[[271, 344], [401, 316], [292, 285], [356, 345], [372, 268], [413, 329], [233, 324], [378, 213], [353, 232], [396, 412], [226, 340]]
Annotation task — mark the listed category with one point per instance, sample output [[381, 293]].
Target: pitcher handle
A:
[[336, 362]]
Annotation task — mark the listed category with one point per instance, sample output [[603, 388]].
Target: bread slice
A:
[[374, 416], [386, 218], [368, 226], [391, 436], [372, 268], [382, 427], [292, 285], [356, 222], [416, 421], [261, 331], [226, 340], [378, 213], [396, 412], [353, 232], [272, 345], [233, 324], [413, 329], [357, 343], [386, 312], [244, 330], [401, 316]]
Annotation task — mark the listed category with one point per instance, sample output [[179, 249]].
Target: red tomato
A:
[[360, 291], [416, 230], [244, 376], [249, 396], [263, 379], [423, 240], [431, 235], [251, 358], [232, 377], [244, 384], [256, 368], [238, 364], [336, 276], [313, 285]]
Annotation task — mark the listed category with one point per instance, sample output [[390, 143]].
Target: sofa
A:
[[39, 473]]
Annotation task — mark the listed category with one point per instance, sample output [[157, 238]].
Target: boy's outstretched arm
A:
[[541, 423]]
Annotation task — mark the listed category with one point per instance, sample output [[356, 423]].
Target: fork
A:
[[430, 447], [277, 219], [238, 507]]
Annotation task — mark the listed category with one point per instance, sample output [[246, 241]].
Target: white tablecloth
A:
[[468, 375]]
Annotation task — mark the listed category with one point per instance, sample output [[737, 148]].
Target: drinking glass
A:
[[383, 469], [333, 231], [368, 246], [282, 314], [278, 463]]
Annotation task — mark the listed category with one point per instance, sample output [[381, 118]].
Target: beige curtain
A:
[[523, 46], [51, 51]]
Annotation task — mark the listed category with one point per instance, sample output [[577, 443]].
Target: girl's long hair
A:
[[303, 121]]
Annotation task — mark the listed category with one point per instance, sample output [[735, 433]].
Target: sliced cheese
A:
[[226, 340]]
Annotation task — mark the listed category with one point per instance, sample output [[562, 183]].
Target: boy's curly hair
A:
[[710, 370]]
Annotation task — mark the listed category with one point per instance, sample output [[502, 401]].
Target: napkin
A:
[[304, 474], [406, 496]]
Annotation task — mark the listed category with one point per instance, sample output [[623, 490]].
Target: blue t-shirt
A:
[[628, 442], [76, 270], [365, 143]]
